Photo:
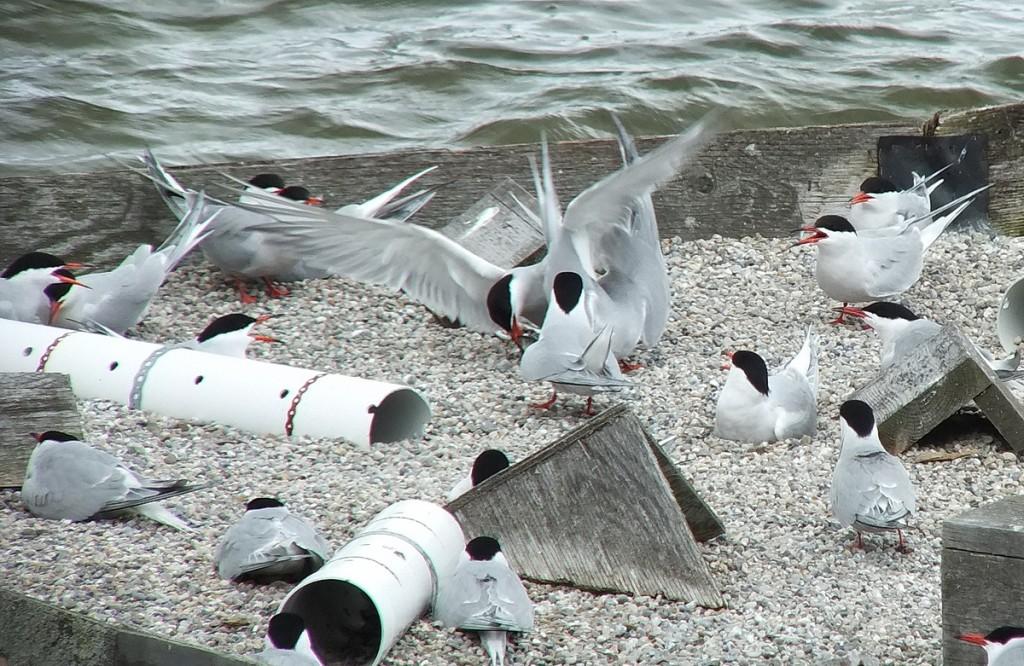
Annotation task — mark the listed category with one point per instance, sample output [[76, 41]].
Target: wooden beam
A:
[[594, 510], [982, 575], [923, 389], [745, 182], [31, 402]]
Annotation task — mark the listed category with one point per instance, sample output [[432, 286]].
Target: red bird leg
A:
[[546, 405], [859, 543], [275, 290], [589, 411], [626, 366], [840, 318], [903, 547], [243, 294]]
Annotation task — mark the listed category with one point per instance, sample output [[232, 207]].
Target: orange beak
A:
[[69, 280], [976, 639], [727, 365], [262, 338], [315, 201], [813, 236], [860, 197], [74, 266]]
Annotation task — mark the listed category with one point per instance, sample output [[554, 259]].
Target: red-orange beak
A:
[[814, 234], [74, 266], [851, 311], [315, 201], [976, 639], [728, 365], [54, 309], [38, 436], [69, 280], [262, 338], [860, 197]]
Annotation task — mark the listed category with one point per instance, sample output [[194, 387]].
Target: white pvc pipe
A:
[[358, 604], [1010, 318], [252, 395]]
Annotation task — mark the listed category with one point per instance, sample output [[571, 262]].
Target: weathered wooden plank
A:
[[703, 521], [495, 228], [926, 387], [744, 182], [982, 575], [996, 528], [593, 510], [35, 633], [31, 402]]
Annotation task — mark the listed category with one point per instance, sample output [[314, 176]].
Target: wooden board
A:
[[31, 402], [593, 510], [926, 387], [982, 575], [745, 182], [497, 229]]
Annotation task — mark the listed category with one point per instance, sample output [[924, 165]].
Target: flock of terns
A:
[[600, 292]]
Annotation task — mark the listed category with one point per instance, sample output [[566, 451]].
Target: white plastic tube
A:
[[1010, 318], [252, 395], [358, 604]]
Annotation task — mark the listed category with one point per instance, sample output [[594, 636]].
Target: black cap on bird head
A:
[[487, 464], [889, 310], [284, 630], [300, 194], [823, 227], [267, 181], [483, 548], [568, 288], [30, 261], [263, 503], [226, 324], [753, 366], [877, 185], [859, 416], [53, 436]]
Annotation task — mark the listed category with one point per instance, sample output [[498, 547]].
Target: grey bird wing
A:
[[794, 404], [484, 595], [428, 266], [263, 538], [873, 489], [916, 334], [892, 264]]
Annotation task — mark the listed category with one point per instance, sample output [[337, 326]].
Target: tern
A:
[[484, 594], [486, 465], [270, 543], [67, 479], [1003, 646], [287, 643], [871, 490], [755, 406], [118, 299], [24, 283], [569, 353], [229, 335], [856, 267]]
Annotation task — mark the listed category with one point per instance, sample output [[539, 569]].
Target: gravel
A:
[[794, 590]]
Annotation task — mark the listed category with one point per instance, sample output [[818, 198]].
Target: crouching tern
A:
[[67, 479], [486, 465], [484, 594], [755, 406], [871, 490]]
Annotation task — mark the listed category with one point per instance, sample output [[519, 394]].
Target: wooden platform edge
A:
[[37, 633], [745, 182]]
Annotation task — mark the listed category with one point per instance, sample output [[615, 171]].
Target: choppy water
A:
[[207, 80]]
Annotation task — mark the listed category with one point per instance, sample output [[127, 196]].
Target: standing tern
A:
[[118, 299], [1003, 646], [484, 594], [455, 283], [871, 490], [486, 465], [67, 479], [879, 201], [755, 406], [270, 543], [857, 267], [287, 643], [569, 353]]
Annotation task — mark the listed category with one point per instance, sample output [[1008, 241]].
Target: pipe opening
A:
[[402, 414], [1010, 317], [343, 623]]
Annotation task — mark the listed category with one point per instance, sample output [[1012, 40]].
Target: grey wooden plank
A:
[[36, 633], [703, 521], [923, 389], [31, 402], [744, 182], [979, 593], [593, 510], [995, 528]]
